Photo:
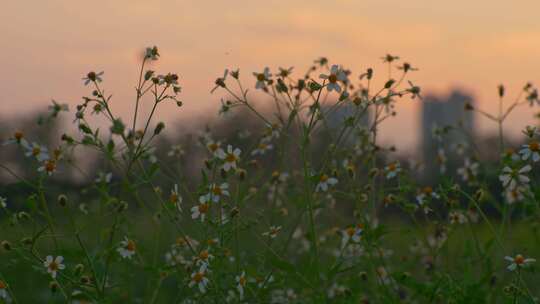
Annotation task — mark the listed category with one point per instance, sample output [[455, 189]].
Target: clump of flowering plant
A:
[[307, 205]]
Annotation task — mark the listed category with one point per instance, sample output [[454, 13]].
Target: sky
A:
[[48, 46]]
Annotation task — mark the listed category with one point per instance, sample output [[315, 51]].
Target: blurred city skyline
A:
[[470, 45]]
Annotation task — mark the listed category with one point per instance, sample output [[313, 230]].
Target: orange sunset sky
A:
[[47, 46]]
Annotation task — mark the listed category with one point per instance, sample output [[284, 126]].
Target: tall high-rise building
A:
[[335, 119], [441, 112]]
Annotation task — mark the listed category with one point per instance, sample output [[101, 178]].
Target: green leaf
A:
[[281, 264]]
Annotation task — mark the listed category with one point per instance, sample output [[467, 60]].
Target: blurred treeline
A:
[[239, 129]]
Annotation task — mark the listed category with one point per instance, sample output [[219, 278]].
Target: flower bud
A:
[[85, 280], [67, 138], [27, 241], [389, 83], [53, 286], [241, 174], [389, 199], [160, 126], [500, 88], [98, 108], [6, 245], [62, 200], [23, 215], [151, 53], [510, 290], [364, 197], [480, 195], [363, 275], [493, 280], [86, 129], [79, 268], [148, 75], [234, 212], [122, 206], [118, 127], [313, 86]]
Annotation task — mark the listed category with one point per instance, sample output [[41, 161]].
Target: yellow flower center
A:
[[198, 277], [50, 166], [514, 193], [216, 190], [130, 246], [204, 255], [534, 146], [53, 266], [332, 78], [203, 208], [231, 158], [324, 178], [519, 259], [271, 129], [261, 77], [509, 152], [180, 241], [242, 281], [2, 285]]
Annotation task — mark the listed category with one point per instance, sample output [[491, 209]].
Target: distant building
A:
[[336, 117], [440, 112]]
